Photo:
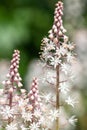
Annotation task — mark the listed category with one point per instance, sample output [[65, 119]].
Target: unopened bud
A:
[[55, 30], [65, 38], [60, 33], [55, 40], [8, 82], [20, 84], [51, 36], [11, 90], [58, 24], [32, 97]]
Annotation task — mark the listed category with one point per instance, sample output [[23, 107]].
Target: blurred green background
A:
[[23, 23]]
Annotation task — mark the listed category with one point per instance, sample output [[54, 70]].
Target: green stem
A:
[[57, 95]]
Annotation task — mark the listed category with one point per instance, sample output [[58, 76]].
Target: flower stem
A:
[[57, 95], [10, 97], [10, 100]]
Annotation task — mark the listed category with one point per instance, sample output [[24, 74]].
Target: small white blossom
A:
[[65, 68], [50, 46], [45, 53], [34, 126], [69, 57], [71, 46], [61, 51], [71, 101], [47, 97], [7, 112], [64, 88], [53, 114], [42, 120], [55, 61], [45, 120], [11, 126], [22, 103], [45, 40], [37, 113], [27, 116], [72, 120]]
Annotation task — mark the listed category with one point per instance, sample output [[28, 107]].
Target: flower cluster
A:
[[13, 77], [33, 95], [22, 110], [56, 49], [57, 29], [59, 57], [19, 109]]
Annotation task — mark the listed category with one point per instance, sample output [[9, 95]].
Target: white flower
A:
[[11, 126], [45, 120], [55, 61], [45, 51], [65, 68], [61, 51], [45, 54], [69, 57], [21, 104], [42, 120], [7, 112], [53, 114], [72, 120], [34, 126], [37, 113], [45, 40], [71, 101], [47, 97], [64, 88], [71, 46], [50, 46], [27, 116]]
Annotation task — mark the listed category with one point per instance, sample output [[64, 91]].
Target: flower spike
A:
[[33, 95], [13, 77], [57, 30]]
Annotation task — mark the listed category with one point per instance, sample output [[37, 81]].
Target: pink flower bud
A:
[[20, 84], [51, 36], [11, 90]]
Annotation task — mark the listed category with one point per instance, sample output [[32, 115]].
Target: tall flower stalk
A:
[[57, 52], [13, 81], [54, 35]]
